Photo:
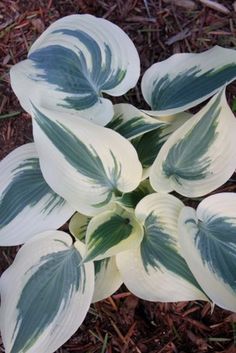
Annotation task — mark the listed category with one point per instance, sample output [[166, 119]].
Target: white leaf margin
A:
[[31, 220], [221, 153], [81, 192], [102, 30], [218, 205], [107, 280], [15, 278], [133, 240], [159, 284], [177, 64]]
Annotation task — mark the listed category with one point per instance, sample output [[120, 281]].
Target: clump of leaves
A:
[[112, 168]]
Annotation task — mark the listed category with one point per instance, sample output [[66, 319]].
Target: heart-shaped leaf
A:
[[199, 156], [27, 205], [156, 270], [112, 232], [84, 163], [185, 80], [72, 63], [45, 294], [208, 243]]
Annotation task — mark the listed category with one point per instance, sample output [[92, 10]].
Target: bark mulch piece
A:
[[124, 323]]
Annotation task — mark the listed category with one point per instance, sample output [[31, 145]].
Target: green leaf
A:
[[131, 199], [234, 105]]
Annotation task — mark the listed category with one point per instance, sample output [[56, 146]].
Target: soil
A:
[[124, 323]]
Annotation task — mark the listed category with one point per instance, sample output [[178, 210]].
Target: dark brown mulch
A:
[[158, 29]]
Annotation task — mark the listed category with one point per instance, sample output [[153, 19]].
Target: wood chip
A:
[[187, 4], [179, 36], [6, 59], [215, 6], [198, 341], [38, 25]]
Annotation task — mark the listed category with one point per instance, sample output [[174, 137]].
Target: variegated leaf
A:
[[200, 156], [107, 278], [156, 270], [185, 80], [149, 144], [78, 225], [27, 204], [84, 163], [112, 232], [76, 59], [131, 122], [173, 118], [208, 241], [45, 294], [131, 199]]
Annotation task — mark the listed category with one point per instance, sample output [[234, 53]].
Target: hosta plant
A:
[[109, 170]]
